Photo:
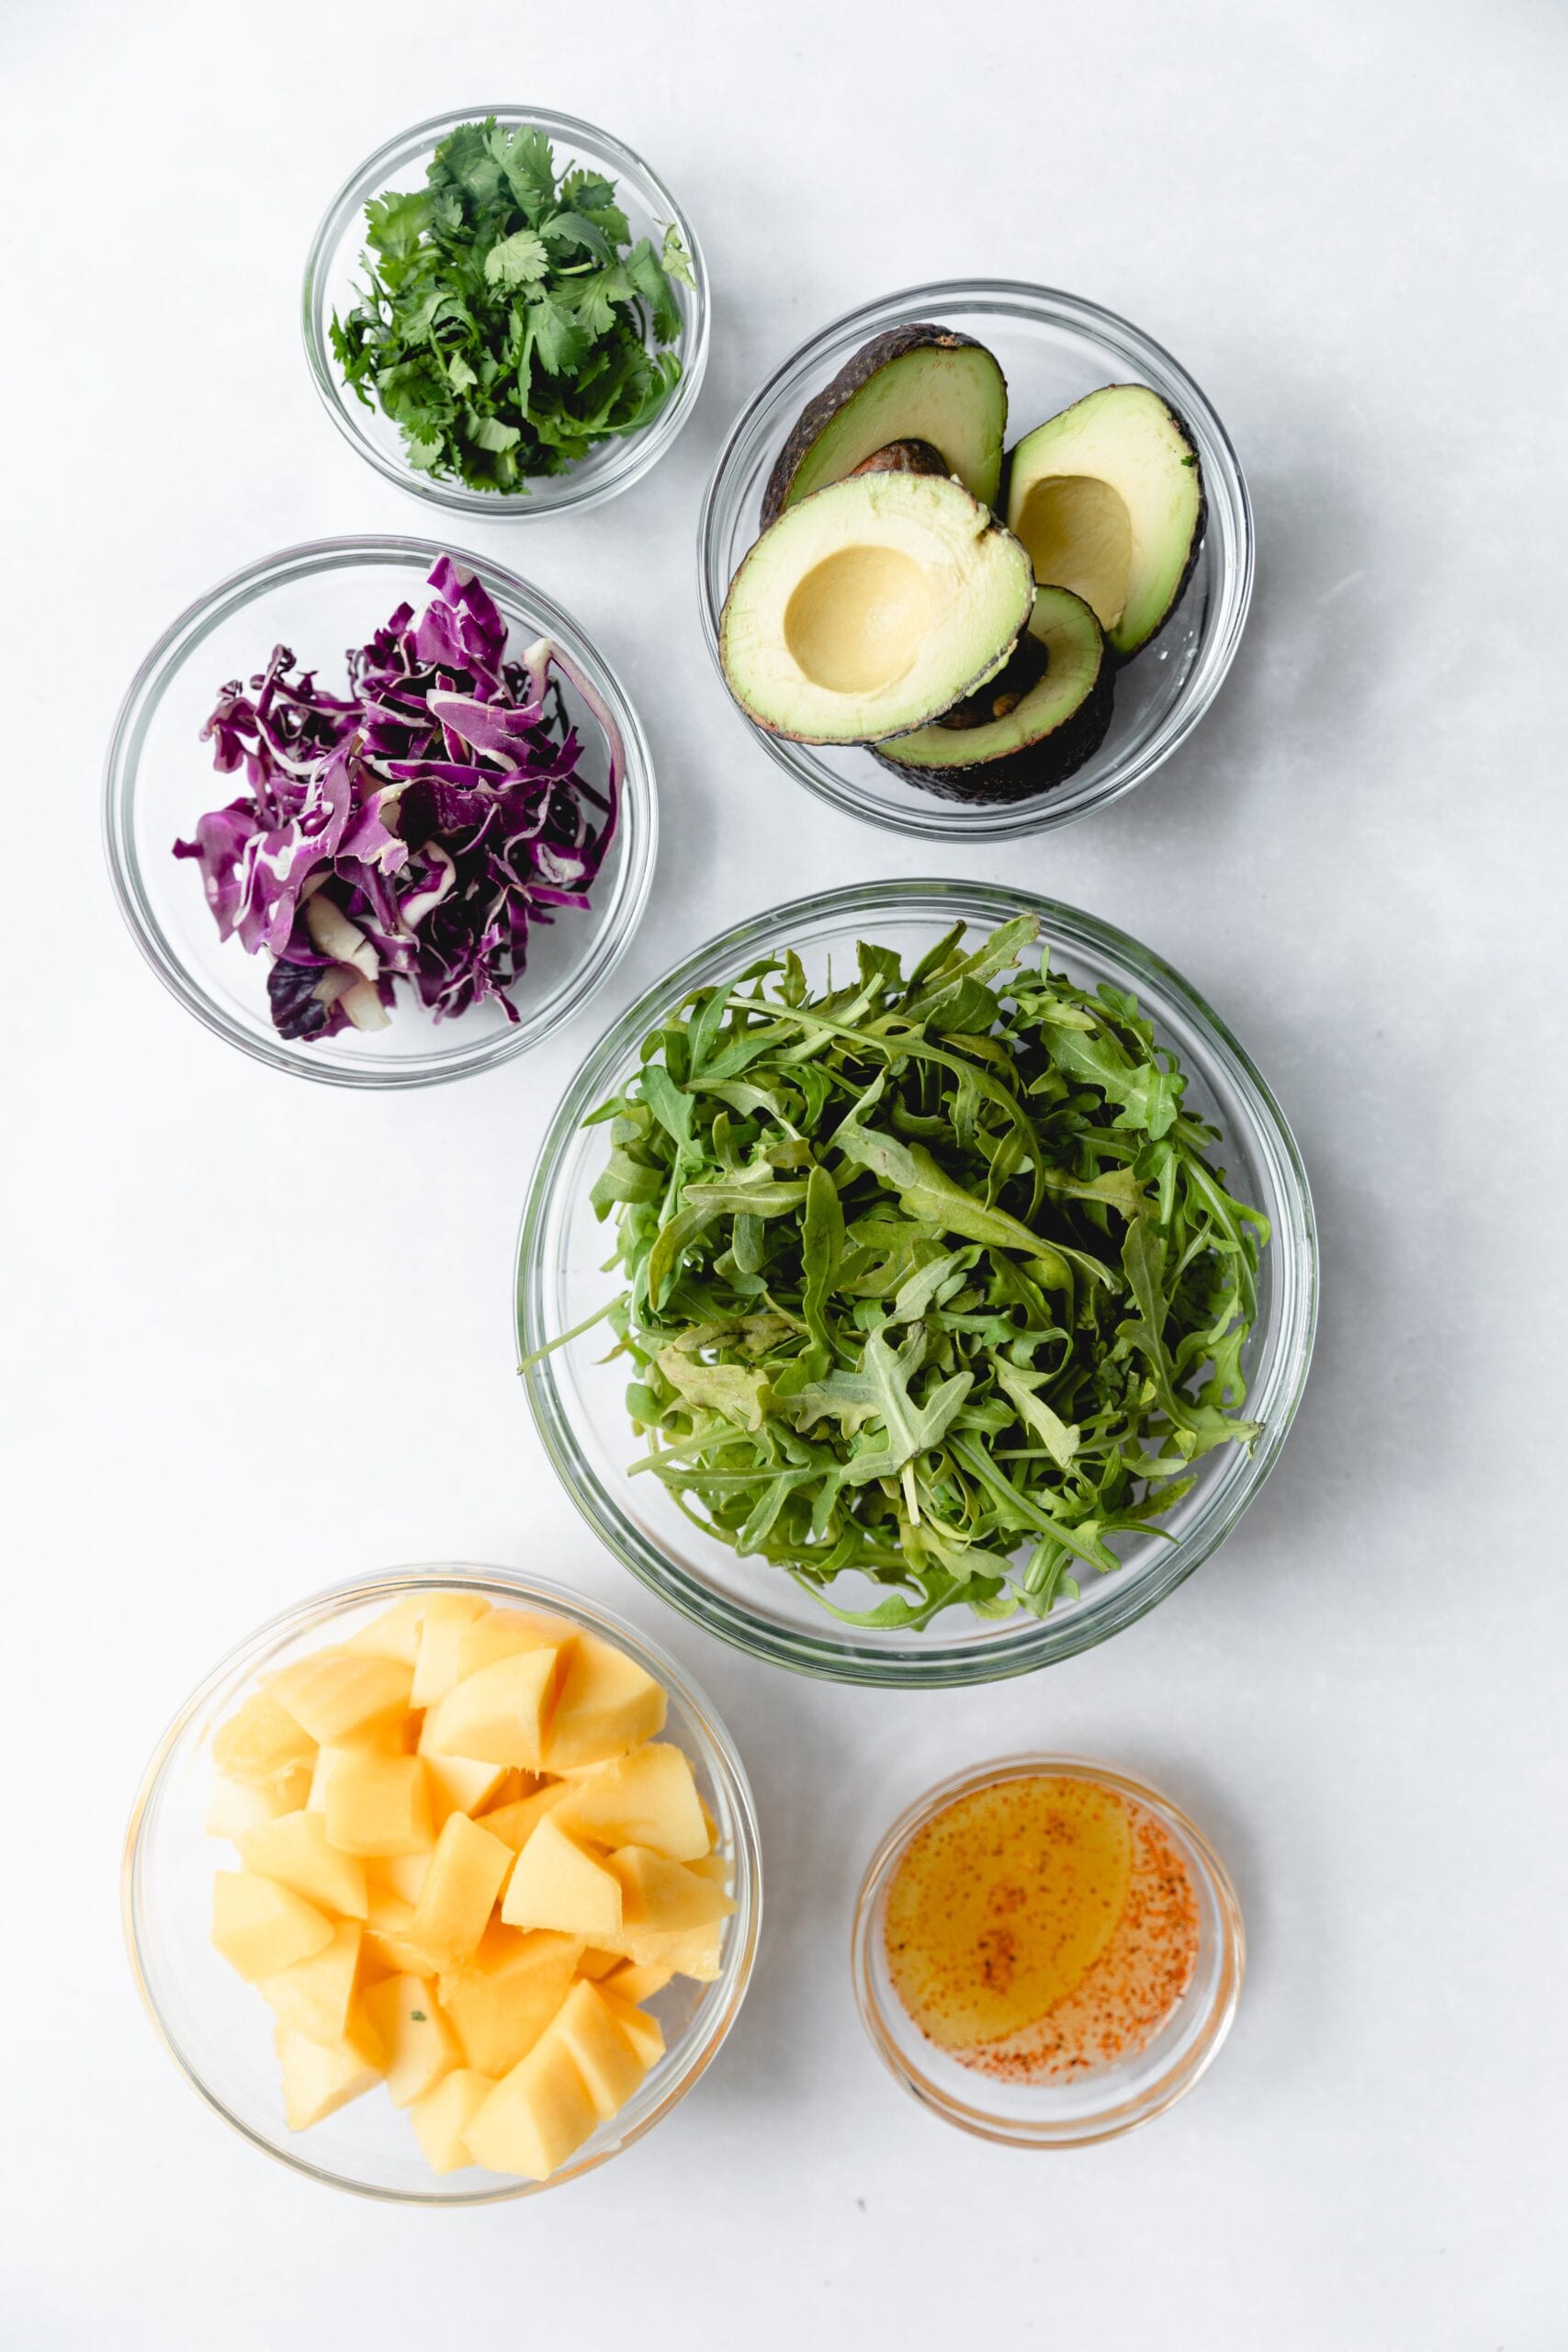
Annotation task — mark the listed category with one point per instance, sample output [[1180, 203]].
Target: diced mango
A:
[[319, 2079], [261, 1928], [375, 1804], [467, 1872], [395, 1633], [296, 1850], [233, 1807], [502, 2000], [440, 1634], [507, 1633], [510, 1788], [399, 1874], [605, 1705], [697, 1951], [644, 2033], [387, 1945], [458, 1784], [712, 1866], [496, 1714], [665, 1895], [556, 1883], [337, 1696], [630, 1983], [515, 1823], [443, 2114], [538, 2116], [648, 1798], [420, 2045], [315, 1996], [595, 1964], [261, 1742], [609, 2067]]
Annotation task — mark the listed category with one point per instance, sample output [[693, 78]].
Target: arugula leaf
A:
[[929, 1281], [508, 324]]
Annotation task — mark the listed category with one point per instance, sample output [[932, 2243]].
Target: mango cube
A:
[[496, 1714], [395, 1633], [644, 2033], [648, 1798], [314, 1997], [605, 1705], [296, 1850], [538, 2115], [515, 1823], [388, 1948], [375, 1804], [336, 1695], [419, 2045], [443, 2114], [399, 1874], [261, 1928], [318, 2077], [595, 1964], [507, 1633], [233, 1807], [500, 2001], [467, 1872], [458, 1784], [555, 1882], [665, 1896], [440, 1634], [631, 1983], [261, 1742], [609, 2067]]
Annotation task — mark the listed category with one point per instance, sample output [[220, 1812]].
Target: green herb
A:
[[417, 2016], [931, 1280], [506, 320]]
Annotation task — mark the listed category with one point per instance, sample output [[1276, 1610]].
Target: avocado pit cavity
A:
[[1079, 536], [854, 623]]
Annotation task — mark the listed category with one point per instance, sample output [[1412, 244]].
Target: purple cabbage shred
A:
[[414, 830]]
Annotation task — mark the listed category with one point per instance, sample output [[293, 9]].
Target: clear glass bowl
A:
[[216, 2027], [1099, 2106], [333, 279], [578, 1397], [320, 599], [1053, 348]]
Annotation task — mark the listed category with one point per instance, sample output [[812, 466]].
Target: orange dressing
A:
[[1042, 1927]]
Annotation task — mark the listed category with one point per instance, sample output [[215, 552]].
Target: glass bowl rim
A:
[[552, 494], [931, 1664], [718, 1754], [1114, 2121], [942, 821], [638, 832]]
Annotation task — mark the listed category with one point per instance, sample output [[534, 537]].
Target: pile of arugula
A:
[[506, 320], [931, 1279]]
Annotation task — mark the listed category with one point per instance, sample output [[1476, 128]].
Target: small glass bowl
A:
[[318, 599], [333, 279], [577, 1393], [216, 2027], [1053, 348], [1099, 2106]]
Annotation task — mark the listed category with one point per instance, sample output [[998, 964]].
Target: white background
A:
[[257, 1330]]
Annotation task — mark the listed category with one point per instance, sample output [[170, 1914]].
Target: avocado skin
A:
[[1025, 668], [1036, 768], [902, 457], [895, 343], [1004, 496]]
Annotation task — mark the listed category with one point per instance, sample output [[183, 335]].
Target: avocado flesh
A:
[[872, 607], [1107, 497], [1035, 740], [915, 383]]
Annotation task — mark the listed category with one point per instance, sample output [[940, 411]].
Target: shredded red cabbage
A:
[[414, 830]]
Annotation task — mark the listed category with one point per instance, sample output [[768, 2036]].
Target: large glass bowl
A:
[[1053, 348], [218, 2031], [578, 1397], [320, 599], [332, 277]]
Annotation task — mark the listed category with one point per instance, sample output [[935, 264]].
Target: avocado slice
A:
[[904, 458], [1107, 497], [1030, 740], [870, 607], [914, 383]]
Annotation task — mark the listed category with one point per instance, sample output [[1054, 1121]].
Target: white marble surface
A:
[[1341, 217]]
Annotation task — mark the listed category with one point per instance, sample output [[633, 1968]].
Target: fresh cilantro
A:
[[509, 322], [931, 1280]]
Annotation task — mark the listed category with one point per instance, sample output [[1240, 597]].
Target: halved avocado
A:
[[1108, 498], [1032, 741], [904, 458], [914, 383], [872, 607]]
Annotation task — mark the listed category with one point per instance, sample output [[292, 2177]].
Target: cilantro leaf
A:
[[518, 260]]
